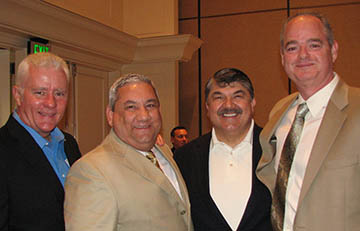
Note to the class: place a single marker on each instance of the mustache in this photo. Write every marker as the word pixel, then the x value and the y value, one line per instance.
pixel 236 110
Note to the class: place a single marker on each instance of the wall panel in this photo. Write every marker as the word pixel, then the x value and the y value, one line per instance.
pixel 216 7
pixel 309 3
pixel 251 44
pixel 189 85
pixel 188 9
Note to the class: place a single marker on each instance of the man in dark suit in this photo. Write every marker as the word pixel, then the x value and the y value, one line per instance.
pixel 219 167
pixel 35 155
pixel 179 137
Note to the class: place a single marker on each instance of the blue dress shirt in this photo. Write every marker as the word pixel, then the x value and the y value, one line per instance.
pixel 53 150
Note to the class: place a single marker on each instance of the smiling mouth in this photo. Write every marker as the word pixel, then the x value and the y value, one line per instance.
pixel 142 126
pixel 304 65
pixel 230 115
pixel 47 114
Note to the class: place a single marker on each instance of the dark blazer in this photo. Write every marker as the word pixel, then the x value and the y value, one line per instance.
pixel 193 161
pixel 31 195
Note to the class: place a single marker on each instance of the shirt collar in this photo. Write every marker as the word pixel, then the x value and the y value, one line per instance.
pixel 248 138
pixel 56 134
pixel 320 99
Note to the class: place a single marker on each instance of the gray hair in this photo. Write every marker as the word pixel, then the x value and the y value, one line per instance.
pixel 224 77
pixel 324 21
pixel 128 79
pixel 40 60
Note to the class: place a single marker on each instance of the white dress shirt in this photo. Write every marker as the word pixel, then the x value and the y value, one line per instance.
pixel 317 105
pixel 230 176
pixel 166 168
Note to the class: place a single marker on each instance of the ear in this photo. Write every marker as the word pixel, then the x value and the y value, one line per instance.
pixel 18 95
pixel 109 116
pixel 334 51
pixel 253 104
pixel 282 56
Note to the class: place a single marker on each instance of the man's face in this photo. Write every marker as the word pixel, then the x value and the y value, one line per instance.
pixel 307 56
pixel 43 101
pixel 136 118
pixel 180 138
pixel 230 109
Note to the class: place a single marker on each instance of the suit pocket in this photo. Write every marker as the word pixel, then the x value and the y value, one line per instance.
pixel 347 161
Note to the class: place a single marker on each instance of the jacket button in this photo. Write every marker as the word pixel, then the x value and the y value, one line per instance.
pixel 183 212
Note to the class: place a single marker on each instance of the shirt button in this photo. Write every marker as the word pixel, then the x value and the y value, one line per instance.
pixel 183 212
pixel 63 175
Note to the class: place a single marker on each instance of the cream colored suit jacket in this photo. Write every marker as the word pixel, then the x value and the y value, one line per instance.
pixel 114 187
pixel 330 194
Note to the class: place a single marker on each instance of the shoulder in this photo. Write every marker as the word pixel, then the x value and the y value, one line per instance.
pixel 199 144
pixel 282 102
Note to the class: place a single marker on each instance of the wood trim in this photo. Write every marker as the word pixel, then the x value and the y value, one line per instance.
pixel 83 40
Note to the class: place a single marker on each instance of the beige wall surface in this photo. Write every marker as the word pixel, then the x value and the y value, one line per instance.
pixel 141 18
pixel 189 87
pixel 245 35
pixel 100 53
pixel 215 7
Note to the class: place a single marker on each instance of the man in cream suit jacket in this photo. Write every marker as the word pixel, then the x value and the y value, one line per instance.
pixel 323 188
pixel 128 182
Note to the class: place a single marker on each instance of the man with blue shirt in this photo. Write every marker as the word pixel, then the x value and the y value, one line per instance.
pixel 35 156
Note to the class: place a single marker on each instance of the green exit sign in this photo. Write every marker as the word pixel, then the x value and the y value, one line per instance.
pixel 36 47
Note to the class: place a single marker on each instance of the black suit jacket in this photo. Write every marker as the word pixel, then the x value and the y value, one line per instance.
pixel 31 195
pixel 193 161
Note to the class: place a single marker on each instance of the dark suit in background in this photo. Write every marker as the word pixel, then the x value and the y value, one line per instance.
pixel 193 161
pixel 31 195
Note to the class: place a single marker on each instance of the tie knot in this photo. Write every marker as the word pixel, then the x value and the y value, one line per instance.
pixel 150 155
pixel 302 110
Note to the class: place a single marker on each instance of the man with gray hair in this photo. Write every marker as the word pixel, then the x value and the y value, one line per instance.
pixel 35 155
pixel 128 182
pixel 311 144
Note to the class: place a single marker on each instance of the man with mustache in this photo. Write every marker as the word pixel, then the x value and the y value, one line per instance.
pixel 219 167
pixel 311 159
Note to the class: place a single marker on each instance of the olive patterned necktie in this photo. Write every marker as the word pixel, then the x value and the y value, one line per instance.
pixel 291 142
pixel 150 155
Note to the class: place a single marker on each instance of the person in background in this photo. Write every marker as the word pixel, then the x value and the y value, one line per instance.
pixel 179 137
pixel 219 167
pixel 310 143
pixel 128 182
pixel 35 155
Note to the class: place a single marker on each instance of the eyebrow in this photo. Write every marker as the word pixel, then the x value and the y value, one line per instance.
pixel 309 40
pixel 135 102
pixel 290 43
pixel 234 93
pixel 239 91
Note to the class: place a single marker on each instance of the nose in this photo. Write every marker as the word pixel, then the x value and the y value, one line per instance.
pixel 228 102
pixel 50 101
pixel 143 114
pixel 303 52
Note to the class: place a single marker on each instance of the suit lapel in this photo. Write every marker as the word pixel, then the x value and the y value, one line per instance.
pixel 166 152
pixel 266 170
pixel 330 127
pixel 35 157
pixel 141 165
